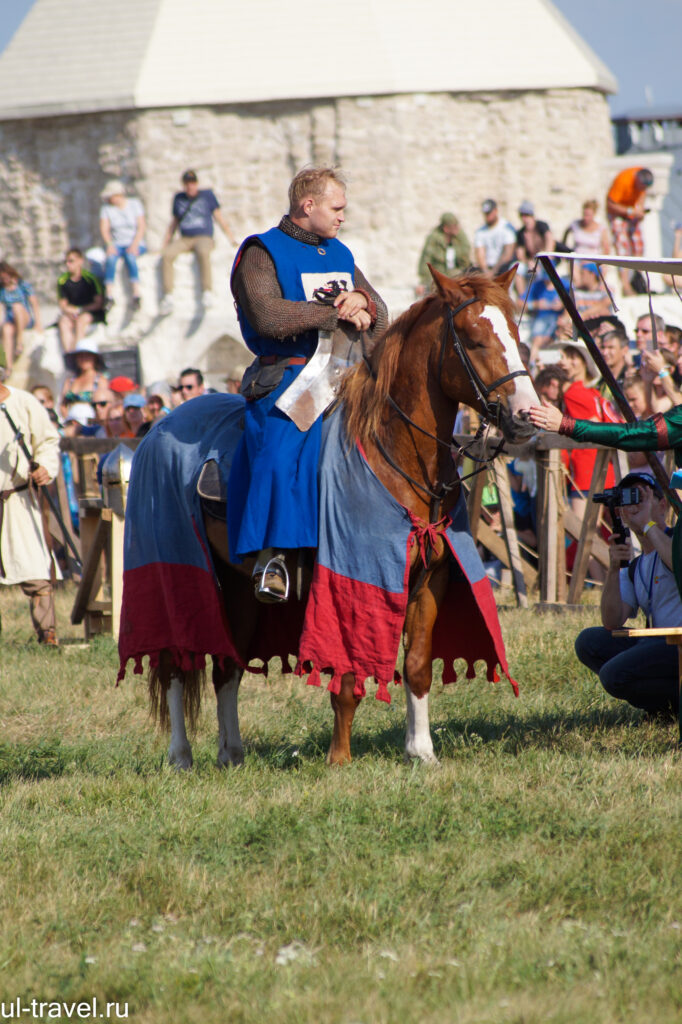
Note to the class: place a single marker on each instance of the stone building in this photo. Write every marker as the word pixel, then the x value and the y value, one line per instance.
pixel 427 106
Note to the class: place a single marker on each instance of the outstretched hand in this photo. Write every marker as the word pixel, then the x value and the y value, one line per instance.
pixel 545 416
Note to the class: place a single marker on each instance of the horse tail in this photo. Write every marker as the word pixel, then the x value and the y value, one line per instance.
pixel 159 679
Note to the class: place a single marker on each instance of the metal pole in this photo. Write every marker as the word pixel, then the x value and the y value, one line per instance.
pixel 620 399
pixel 18 436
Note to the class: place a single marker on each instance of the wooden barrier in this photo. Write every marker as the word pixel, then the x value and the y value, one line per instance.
pixel 98 598
pixel 97 602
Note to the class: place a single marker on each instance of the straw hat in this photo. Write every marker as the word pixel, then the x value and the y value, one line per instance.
pixel 85 345
pixel 113 188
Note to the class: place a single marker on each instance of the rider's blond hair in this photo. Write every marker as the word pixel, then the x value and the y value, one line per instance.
pixel 312 181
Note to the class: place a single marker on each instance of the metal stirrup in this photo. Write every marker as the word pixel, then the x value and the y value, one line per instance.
pixel 277 565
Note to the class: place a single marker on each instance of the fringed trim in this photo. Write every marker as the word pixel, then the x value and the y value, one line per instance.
pixel 334 684
pixel 382 691
pixel 186 661
pixel 450 675
pixel 303 668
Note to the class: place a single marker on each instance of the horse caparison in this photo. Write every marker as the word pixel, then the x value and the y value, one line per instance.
pixel 400 407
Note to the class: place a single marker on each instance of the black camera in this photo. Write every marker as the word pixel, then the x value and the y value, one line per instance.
pixel 618 497
pixel 615 498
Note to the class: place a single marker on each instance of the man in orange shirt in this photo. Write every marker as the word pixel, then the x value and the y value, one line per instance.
pixel 625 209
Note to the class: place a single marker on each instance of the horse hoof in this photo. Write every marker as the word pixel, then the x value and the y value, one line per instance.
pixel 231 757
pixel 427 758
pixel 181 759
pixel 338 759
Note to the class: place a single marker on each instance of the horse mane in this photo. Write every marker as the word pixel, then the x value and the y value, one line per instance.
pixel 364 392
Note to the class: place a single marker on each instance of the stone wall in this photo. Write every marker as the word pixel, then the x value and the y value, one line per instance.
pixel 407 159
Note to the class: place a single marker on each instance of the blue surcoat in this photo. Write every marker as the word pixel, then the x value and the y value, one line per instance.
pixel 272 490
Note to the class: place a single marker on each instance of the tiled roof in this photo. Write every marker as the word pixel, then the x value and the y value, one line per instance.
pixel 87 55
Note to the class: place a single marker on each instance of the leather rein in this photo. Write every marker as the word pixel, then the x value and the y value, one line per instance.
pixel 492 411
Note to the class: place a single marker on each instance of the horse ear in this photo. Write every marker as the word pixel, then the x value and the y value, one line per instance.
pixel 446 287
pixel 506 279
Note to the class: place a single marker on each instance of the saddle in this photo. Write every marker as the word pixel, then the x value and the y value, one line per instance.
pixel 212 491
pixel 213 496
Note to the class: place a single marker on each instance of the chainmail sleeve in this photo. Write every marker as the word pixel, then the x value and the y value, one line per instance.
pixel 381 321
pixel 260 296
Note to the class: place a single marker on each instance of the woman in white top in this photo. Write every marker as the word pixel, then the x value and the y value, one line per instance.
pixel 122 226
pixel 588 235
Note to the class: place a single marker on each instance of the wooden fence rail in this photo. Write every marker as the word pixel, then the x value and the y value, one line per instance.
pixel 543 579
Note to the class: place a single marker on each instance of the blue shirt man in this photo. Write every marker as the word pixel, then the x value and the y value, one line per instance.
pixel 194 210
pixel 289 283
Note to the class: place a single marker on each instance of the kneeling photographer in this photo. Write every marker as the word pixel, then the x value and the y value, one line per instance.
pixel 642 671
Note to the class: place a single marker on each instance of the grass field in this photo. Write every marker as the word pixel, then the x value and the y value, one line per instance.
pixel 534 877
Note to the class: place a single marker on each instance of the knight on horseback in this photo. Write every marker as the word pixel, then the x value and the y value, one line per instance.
pixel 300 300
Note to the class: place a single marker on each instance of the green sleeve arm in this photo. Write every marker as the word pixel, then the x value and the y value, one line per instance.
pixel 660 432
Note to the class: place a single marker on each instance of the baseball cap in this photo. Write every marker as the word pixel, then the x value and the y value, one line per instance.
pixel 631 479
pixel 80 412
pixel 527 209
pixel 134 401
pixel 449 220
pixel 122 384
pixel 488 205
pixel 190 176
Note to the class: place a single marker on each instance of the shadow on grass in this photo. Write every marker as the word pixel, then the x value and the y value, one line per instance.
pixel 50 759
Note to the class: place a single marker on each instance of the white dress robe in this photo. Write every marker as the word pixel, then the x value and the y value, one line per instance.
pixel 24 554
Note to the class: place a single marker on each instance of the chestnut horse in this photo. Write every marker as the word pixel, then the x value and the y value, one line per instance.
pixel 459 344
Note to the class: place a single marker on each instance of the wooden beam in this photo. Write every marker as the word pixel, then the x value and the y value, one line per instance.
pixel 587 530
pixel 510 538
pixel 91 567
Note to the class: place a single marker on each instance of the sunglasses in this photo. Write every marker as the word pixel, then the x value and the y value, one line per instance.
pixel 98 405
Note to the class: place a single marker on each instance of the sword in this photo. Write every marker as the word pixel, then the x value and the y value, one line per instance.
pixel 19 438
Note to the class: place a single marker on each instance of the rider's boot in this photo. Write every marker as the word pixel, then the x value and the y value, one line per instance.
pixel 271 577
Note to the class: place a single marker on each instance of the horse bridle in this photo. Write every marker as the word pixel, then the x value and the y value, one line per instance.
pixel 492 411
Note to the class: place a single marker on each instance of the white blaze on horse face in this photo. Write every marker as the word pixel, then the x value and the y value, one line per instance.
pixel 524 394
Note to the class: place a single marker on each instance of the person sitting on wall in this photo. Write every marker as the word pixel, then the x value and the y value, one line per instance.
pixel 21 312
pixel 80 299
pixel 194 210
pixel 642 671
pixel 122 226
pixel 625 207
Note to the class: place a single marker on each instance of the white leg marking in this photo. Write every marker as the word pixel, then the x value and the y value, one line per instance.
pixel 230 748
pixel 180 751
pixel 418 742
pixel 524 393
